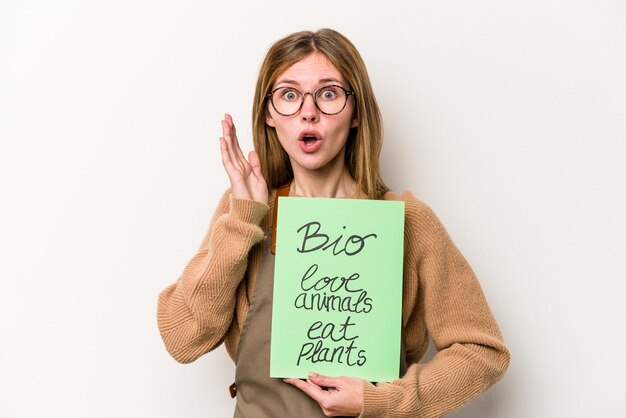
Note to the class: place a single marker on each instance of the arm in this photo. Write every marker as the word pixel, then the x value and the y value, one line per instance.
pixel 194 313
pixel 471 353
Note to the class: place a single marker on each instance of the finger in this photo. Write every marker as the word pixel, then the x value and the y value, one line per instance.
pixel 241 158
pixel 255 164
pixel 232 147
pixel 224 150
pixel 324 381
pixel 312 390
pixel 233 132
pixel 236 153
pixel 226 160
pixel 229 119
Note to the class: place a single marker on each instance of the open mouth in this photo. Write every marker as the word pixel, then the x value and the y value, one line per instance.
pixel 310 141
pixel 309 136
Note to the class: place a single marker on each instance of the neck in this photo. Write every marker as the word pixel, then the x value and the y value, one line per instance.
pixel 311 184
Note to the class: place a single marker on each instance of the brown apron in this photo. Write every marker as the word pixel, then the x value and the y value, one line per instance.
pixel 258 395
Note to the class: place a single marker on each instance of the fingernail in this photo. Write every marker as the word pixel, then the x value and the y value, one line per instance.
pixel 312 374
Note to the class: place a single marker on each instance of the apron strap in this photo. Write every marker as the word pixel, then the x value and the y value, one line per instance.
pixel 282 191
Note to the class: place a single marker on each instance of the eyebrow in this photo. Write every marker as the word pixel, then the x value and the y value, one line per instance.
pixel 321 81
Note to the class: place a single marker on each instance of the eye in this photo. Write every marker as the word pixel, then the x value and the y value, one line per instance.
pixel 289 95
pixel 328 93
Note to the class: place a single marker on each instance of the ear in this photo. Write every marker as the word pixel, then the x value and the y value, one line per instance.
pixel 354 123
pixel 269 121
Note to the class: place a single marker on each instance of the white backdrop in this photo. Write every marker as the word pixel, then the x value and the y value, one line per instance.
pixel 508 118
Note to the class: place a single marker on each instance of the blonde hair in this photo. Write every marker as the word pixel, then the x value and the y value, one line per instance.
pixel 364 141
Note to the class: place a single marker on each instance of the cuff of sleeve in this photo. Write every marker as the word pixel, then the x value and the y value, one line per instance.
pixel 379 399
pixel 246 210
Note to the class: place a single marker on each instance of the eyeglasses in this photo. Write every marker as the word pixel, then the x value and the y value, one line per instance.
pixel 330 100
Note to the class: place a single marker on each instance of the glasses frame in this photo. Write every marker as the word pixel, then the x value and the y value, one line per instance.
pixel 313 94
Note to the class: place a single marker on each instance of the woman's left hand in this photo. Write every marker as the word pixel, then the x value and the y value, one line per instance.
pixel 337 396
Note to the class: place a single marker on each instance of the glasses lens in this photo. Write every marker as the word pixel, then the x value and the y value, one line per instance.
pixel 286 100
pixel 331 99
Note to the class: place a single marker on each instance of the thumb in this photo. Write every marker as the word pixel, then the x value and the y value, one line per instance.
pixel 255 163
pixel 324 381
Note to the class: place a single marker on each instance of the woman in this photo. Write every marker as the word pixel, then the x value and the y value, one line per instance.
pixel 318 133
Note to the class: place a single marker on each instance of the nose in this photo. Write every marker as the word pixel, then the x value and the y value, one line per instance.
pixel 309 111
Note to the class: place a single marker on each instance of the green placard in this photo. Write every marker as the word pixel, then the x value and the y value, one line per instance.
pixel 338 288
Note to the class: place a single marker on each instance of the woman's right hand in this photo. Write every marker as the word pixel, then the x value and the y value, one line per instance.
pixel 246 179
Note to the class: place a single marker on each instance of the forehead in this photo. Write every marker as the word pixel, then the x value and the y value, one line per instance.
pixel 311 70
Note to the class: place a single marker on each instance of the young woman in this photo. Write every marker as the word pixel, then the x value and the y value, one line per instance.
pixel 318 133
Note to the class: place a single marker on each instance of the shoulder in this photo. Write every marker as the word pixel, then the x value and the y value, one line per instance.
pixel 423 230
pixel 415 211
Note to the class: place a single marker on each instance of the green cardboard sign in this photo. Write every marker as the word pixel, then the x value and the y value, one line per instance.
pixel 338 288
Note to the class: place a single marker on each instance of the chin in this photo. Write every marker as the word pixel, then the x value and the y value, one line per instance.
pixel 317 162
pixel 311 166
pixel 316 165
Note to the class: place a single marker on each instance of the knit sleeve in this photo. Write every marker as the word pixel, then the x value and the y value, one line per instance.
pixel 195 312
pixel 471 353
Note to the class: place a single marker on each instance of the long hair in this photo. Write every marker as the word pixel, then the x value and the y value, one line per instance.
pixel 364 141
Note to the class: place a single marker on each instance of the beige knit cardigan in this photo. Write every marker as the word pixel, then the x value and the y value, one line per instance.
pixel 442 298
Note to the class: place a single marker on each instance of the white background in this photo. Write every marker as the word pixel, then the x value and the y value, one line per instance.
pixel 507 117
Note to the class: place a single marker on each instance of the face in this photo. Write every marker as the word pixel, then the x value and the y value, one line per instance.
pixel 313 140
